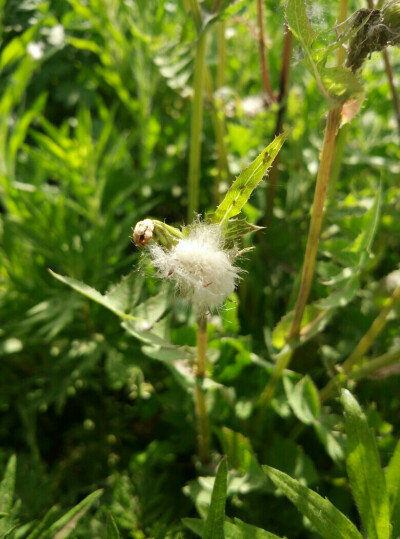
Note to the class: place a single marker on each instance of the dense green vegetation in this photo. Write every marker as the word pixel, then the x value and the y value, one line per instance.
pixel 119 399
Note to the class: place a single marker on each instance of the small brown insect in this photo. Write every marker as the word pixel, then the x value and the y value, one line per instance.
pixel 171 271
pixel 205 285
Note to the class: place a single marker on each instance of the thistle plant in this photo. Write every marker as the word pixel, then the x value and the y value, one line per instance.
pixel 199 259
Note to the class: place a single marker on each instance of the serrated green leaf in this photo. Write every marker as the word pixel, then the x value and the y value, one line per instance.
pixel 327 519
pixel 125 294
pixel 303 399
pixel 94 295
pixel 214 525
pixel 393 488
pixel 65 525
pixel 365 473
pixel 337 84
pixel 241 189
pixel 340 84
pixel 7 485
pixel 298 22
pixel 112 529
pixel 237 228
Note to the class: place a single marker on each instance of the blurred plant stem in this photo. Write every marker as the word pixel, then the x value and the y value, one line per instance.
pixel 218 115
pixel 263 57
pixel 282 103
pixel 196 122
pixel 324 172
pixel 362 347
pixel 203 437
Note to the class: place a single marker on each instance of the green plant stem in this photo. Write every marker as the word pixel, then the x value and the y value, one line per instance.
pixel 196 122
pixel 263 58
pixel 337 161
pixel 324 171
pixel 218 115
pixel 282 98
pixel 332 126
pixel 375 365
pixel 362 347
pixel 203 437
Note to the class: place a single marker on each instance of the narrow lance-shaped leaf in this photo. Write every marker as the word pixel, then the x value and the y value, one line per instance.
pixel 363 242
pixel 7 485
pixel 65 525
pixel 233 530
pixel 365 473
pixel 393 487
pixel 214 526
pixel 328 520
pixel 112 529
pixel 241 189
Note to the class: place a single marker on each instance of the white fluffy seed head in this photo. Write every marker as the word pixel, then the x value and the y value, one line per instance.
pixel 200 267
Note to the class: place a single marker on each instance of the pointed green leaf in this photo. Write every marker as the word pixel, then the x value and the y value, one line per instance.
pixel 236 228
pixel 393 488
pixel 234 530
pixel 214 526
pixel 44 524
pixel 241 530
pixel 337 84
pixel 303 399
pixel 364 241
pixel 112 529
pixel 365 473
pixel 247 181
pixel 65 525
pixel 7 485
pixel 329 521
pixel 91 293
pixel 196 525
pixel 299 24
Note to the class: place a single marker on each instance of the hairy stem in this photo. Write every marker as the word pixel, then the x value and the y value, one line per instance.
pixel 332 126
pixel 263 58
pixel 203 437
pixel 363 346
pixel 282 97
pixel 196 122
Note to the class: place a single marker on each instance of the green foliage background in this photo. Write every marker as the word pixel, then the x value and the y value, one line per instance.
pixel 94 123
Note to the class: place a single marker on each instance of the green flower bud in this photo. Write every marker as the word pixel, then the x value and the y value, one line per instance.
pixel 151 229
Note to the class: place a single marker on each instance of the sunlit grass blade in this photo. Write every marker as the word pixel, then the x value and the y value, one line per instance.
pixel 214 526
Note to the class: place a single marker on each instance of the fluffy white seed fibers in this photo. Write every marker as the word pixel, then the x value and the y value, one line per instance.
pixel 202 270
